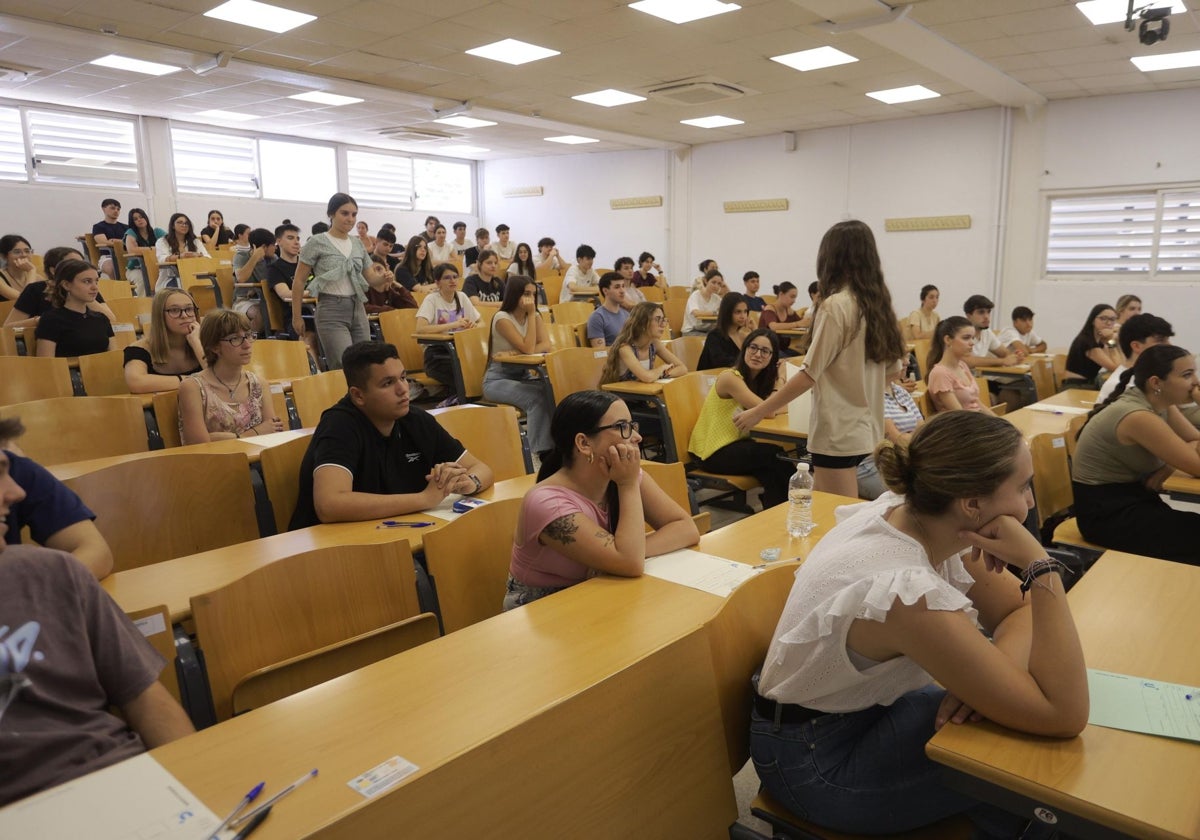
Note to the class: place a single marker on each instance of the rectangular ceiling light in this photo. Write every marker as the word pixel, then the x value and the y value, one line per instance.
pixel 609 97
pixel 713 122
pixel 817 59
pixel 463 150
pixel 684 11
pixel 259 15
pixel 911 93
pixel 1101 12
pixel 135 65
pixel 1167 61
pixel 571 139
pixel 324 98
pixel 465 122
pixel 229 116
pixel 511 51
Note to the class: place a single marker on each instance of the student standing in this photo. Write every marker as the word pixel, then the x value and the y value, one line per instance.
pixel 855 340
pixel 336 260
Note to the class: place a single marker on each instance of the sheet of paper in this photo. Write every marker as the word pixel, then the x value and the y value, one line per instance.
pixel 700 571
pixel 134 800
pixel 1050 408
pixel 445 508
pixel 1136 704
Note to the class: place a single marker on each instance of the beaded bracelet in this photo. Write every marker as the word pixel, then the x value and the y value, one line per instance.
pixel 1038 568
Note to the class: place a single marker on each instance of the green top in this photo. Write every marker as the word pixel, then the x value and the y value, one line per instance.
pixel 1100 458
pixel 714 427
pixel 334 273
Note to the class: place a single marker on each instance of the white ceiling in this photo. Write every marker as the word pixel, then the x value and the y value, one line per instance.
pixel 406 58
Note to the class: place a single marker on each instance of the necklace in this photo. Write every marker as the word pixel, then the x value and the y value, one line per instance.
pixel 236 382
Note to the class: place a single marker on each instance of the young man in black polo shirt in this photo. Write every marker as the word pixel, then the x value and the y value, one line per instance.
pixel 108 230
pixel 374 456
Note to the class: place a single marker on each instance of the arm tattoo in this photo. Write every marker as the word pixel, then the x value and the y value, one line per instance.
pixel 562 530
pixel 606 538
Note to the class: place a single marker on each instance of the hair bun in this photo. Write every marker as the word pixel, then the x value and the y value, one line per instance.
pixel 895 466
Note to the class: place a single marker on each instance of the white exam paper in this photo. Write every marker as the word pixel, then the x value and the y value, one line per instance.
pixel 700 571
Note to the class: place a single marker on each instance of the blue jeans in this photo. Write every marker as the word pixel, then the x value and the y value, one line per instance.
pixel 866 772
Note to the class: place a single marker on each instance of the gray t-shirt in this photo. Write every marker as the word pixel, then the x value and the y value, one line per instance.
pixel 81 655
pixel 606 325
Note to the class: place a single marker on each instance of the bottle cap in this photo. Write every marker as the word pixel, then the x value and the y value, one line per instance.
pixel 802 466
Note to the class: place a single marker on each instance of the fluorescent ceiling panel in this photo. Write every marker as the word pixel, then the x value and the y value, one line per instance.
pixel 911 93
pixel 324 98
pixel 231 116
pixel 715 121
pixel 571 139
pixel 684 11
pixel 806 60
pixel 136 65
pixel 609 97
pixel 259 15
pixel 511 51
pixel 1167 61
pixel 1100 12
pixel 465 122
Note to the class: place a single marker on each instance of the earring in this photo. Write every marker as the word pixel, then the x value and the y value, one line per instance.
pixel 591 457
pixel 1158 392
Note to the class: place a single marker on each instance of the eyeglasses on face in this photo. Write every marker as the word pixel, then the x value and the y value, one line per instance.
pixel 758 350
pixel 625 427
pixel 180 311
pixel 20 252
pixel 659 319
pixel 239 339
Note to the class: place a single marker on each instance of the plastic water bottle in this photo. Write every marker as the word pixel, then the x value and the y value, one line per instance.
pixel 800 489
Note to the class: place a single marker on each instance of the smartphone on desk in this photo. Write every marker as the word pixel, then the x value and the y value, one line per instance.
pixel 465 504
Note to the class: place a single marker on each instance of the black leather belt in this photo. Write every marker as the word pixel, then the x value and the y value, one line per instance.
pixel 784 712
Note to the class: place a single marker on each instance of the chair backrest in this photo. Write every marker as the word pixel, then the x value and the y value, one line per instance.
pixel 674 308
pixel 278 359
pixel 738 638
pixel 103 374
pixel 6 306
pixel 205 296
pixel 298 605
pixel 1042 371
pixel 1059 363
pixel 155 625
pixel 115 289
pixel 127 310
pixel 672 478
pixel 574 369
pixel 65 429
pixel 552 283
pixel 277 321
pixel 653 294
pixel 1051 475
pixel 274 682
pixel 1072 433
pixel 150 259
pixel 985 396
pixel 468 561
pixel 921 348
pixel 89 245
pixel 491 433
pixel 166 416
pixel 313 394
pixel 571 312
pixel 191 270
pixel 225 281
pixel 170 505
pixel 688 348
pixel 684 398
pixel 678 292
pixel 562 336
pixel 471 346
pixel 281 476
pixel 398 327
pixel 25 378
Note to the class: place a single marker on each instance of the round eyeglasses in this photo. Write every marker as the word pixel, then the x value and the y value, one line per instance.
pixel 625 427
pixel 238 340
pixel 180 311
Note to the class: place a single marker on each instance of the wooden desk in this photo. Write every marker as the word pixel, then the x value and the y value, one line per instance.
pixel 590 714
pixel 1073 398
pixel 745 539
pixel 1135 616
pixel 776 429
pixel 1183 487
pixel 174 582
pixel 651 394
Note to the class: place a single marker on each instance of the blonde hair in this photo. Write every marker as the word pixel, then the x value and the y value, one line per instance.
pixel 636 326
pixel 158 340
pixel 216 325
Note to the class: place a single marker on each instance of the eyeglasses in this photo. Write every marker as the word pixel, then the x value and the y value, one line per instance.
pixel 625 427
pixel 181 311
pixel 758 350
pixel 20 252
pixel 1108 319
pixel 659 319
pixel 238 340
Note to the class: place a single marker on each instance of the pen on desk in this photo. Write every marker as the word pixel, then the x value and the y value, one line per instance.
pixel 246 800
pixel 266 806
pixel 396 523
pixel 255 821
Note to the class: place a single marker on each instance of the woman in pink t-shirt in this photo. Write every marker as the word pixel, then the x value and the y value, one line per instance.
pixel 952 385
pixel 588 511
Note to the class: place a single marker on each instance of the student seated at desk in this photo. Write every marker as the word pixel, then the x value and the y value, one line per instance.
pixel 518 329
pixel 71 326
pixel 718 444
pixel 887 609
pixel 921 323
pixel 444 310
pixel 723 345
pixel 1138 333
pixel 55 516
pixel 636 348
pixel 384 293
pixel 581 280
pixel 704 301
pixel 987 351
pixel 35 299
pixel 1094 349
pixel 170 349
pixel 373 455
pixel 1130 444
pixel 901 417
pixel 224 400
pixel 1020 337
pixel 587 513
pixel 604 324
pixel 952 385
pixel 70 654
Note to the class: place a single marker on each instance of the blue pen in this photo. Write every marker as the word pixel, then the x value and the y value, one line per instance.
pixel 395 523
pixel 246 800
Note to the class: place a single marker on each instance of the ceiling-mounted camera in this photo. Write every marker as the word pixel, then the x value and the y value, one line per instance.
pixel 1155 23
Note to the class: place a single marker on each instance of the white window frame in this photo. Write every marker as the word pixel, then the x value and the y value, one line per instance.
pixel 1156 228
pixel 369 202
pixel 255 177
pixel 24 109
pixel 472 169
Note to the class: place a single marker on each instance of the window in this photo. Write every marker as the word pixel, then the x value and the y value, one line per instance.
pixel 12 146
pixel 297 171
pixel 379 180
pixel 443 185
pixel 1151 233
pixel 74 148
pixel 215 164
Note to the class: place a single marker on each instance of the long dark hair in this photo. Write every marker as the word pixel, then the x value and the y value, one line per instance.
pixel 422 270
pixel 761 382
pixel 946 328
pixel 578 413
pixel 848 259
pixel 151 237
pixel 525 266
pixel 189 239
pixel 1156 360
pixel 514 290
pixel 1088 332
pixel 725 311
